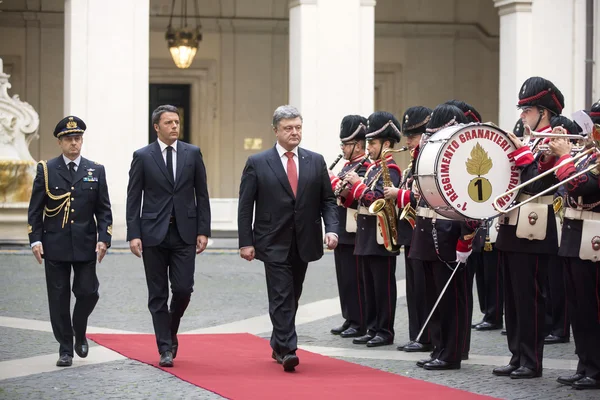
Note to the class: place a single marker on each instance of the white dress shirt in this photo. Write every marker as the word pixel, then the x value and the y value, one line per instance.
pixel 163 150
pixel 284 158
pixel 77 161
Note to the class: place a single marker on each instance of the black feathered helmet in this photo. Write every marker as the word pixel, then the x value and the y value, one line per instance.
pixel 468 110
pixel 443 116
pixel 383 125
pixel 353 128
pixel 414 120
pixel 540 92
pixel 595 112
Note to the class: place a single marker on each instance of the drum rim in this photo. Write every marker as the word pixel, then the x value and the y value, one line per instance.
pixel 437 183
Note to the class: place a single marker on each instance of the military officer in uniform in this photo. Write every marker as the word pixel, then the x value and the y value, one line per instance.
pixel 379 264
pixel 528 238
pixel 440 244
pixel 414 122
pixel 348 269
pixel 580 250
pixel 70 226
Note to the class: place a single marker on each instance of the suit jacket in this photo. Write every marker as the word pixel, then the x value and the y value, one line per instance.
pixel 280 216
pixel 70 233
pixel 187 196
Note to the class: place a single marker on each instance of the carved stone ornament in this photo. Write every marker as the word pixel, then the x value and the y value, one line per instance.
pixel 19 124
pixel 533 217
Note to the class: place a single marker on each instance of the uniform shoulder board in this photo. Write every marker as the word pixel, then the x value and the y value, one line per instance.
pixel 96 162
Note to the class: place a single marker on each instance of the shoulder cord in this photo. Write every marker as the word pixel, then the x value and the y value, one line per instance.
pixel 66 204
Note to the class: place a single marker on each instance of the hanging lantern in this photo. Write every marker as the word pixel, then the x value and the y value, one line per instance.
pixel 183 42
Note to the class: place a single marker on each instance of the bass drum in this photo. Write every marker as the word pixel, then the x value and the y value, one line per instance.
pixel 463 168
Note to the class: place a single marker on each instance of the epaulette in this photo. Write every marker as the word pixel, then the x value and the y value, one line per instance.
pixel 97 163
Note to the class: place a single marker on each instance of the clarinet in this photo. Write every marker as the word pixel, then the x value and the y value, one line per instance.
pixel 337 160
pixel 353 169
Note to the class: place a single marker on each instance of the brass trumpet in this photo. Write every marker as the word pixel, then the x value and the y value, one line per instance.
pixel 593 146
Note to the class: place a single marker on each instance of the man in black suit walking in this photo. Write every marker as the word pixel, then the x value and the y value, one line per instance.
pixel 291 190
pixel 68 192
pixel 172 222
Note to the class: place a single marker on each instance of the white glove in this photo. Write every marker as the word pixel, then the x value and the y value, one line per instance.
pixel 462 257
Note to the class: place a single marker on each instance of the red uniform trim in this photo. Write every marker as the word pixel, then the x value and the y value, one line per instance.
pixel 403 198
pixel 464 246
pixel 522 156
pixel 567 169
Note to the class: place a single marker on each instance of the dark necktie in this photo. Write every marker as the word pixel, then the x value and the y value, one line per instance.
pixel 72 169
pixel 170 162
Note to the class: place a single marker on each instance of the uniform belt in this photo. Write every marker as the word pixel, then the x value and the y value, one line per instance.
pixel 362 210
pixel 572 213
pixel 540 200
pixel 429 213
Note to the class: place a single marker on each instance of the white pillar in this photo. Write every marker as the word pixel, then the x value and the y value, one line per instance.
pixel 331 66
pixel 106 85
pixel 516 58
pixel 560 48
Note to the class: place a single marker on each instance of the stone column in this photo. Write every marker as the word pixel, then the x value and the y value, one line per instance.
pixel 516 57
pixel 331 66
pixel 106 84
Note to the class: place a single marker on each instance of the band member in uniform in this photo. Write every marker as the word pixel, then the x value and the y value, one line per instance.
pixel 168 223
pixel 580 249
pixel 414 122
pixel 348 269
pixel 70 225
pixel 528 238
pixel 558 322
pixel 595 112
pixel 378 262
pixel 440 244
pixel 288 189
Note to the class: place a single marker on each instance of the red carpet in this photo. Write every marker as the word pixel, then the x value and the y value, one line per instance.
pixel 239 366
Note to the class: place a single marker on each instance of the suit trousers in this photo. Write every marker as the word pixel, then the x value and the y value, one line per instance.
pixel 172 260
pixel 284 288
pixel 524 277
pixel 449 324
pixel 583 291
pixel 558 321
pixel 416 298
pixel 380 294
pixel 489 279
pixel 85 289
pixel 350 286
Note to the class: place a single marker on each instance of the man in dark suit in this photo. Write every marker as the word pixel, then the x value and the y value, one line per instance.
pixel 291 190
pixel 68 192
pixel 172 222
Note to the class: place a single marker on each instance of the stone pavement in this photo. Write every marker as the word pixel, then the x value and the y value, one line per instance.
pixel 229 296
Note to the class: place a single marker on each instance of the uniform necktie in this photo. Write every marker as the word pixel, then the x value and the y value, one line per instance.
pixel 292 173
pixel 72 169
pixel 170 162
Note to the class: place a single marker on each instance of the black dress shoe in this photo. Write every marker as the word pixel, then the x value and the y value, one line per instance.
pixel 290 362
pixel 504 371
pixel 464 356
pixel 473 325
pixel 553 339
pixel 363 339
pixel 340 329
pixel 587 383
pixel 503 332
pixel 438 365
pixel 276 357
pixel 487 326
pixel 414 347
pixel 351 332
pixel 379 341
pixel 166 359
pixel 82 348
pixel 421 363
pixel 569 380
pixel 64 360
pixel 175 345
pixel 525 373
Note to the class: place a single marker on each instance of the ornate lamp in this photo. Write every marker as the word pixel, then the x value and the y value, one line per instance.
pixel 183 42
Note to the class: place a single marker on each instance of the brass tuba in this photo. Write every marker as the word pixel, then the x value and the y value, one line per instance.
pixel 385 210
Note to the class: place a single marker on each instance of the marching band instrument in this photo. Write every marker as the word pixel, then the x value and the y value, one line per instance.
pixel 385 210
pixel 337 160
pixel 343 185
pixel 456 192
pixel 593 147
